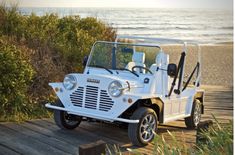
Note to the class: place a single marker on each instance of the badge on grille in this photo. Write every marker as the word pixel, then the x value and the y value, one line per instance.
pixel 93 80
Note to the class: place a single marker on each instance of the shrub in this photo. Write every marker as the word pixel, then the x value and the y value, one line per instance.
pixel 69 37
pixel 75 37
pixel 54 46
pixel 16 75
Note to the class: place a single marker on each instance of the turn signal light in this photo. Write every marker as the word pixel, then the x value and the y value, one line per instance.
pixel 129 100
pixel 56 89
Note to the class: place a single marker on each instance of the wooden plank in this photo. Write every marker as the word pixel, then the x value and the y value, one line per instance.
pixel 73 138
pixel 79 133
pixel 49 140
pixel 95 148
pixel 5 150
pixel 25 144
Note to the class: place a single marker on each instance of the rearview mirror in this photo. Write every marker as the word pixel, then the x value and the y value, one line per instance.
pixel 84 62
pixel 127 50
pixel 172 70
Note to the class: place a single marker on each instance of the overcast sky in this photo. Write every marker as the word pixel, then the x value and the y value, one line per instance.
pixel 214 4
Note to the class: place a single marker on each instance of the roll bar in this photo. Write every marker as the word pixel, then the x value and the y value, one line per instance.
pixel 165 41
pixel 154 42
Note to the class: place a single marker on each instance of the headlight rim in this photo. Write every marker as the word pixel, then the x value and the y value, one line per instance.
pixel 74 81
pixel 120 88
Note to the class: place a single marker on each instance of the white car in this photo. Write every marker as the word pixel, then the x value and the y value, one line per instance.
pixel 120 85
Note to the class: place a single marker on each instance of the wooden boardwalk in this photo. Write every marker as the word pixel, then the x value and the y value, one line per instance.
pixel 44 137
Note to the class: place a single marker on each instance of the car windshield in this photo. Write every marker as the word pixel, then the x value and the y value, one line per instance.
pixel 110 55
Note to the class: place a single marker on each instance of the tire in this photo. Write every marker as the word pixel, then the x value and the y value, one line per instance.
pixel 193 121
pixel 136 130
pixel 65 120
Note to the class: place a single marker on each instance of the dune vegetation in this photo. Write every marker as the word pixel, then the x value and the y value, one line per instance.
pixel 36 50
pixel 216 140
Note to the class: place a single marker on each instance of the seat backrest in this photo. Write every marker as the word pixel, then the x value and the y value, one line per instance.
pixel 160 82
pixel 158 61
pixel 138 59
pixel 154 66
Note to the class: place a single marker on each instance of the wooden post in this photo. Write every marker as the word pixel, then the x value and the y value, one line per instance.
pixel 95 148
pixel 203 126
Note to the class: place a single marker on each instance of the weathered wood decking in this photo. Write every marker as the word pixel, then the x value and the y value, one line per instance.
pixel 44 137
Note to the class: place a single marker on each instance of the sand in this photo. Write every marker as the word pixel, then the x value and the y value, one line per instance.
pixel 217 63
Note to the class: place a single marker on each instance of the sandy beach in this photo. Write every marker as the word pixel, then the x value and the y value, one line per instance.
pixel 216 62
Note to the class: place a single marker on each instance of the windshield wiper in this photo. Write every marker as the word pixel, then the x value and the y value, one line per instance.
pixel 99 66
pixel 128 70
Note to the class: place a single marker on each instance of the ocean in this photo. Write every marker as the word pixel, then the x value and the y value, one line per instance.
pixel 205 26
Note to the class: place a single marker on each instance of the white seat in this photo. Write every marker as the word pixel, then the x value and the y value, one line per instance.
pixel 153 67
pixel 158 61
pixel 138 59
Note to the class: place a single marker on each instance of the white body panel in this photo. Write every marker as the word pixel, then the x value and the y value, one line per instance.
pixel 90 97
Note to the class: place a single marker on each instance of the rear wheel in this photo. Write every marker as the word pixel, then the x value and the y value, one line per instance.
pixel 143 132
pixel 193 121
pixel 65 120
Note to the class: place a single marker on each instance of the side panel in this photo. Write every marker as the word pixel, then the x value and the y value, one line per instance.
pixel 171 108
pixel 178 106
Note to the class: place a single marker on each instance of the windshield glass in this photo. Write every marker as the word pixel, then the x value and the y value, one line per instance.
pixel 121 55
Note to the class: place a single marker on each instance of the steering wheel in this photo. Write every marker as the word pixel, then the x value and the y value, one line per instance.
pixel 141 67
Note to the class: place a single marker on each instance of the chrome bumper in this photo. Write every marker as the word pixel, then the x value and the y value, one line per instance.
pixel 48 105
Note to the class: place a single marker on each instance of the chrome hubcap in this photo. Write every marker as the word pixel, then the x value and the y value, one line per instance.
pixel 147 127
pixel 197 114
pixel 69 120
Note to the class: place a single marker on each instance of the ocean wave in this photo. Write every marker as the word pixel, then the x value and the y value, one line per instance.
pixel 172 23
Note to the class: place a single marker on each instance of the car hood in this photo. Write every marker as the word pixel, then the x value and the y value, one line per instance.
pixel 100 79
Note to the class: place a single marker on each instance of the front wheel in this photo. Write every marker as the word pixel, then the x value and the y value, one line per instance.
pixel 65 120
pixel 193 121
pixel 143 132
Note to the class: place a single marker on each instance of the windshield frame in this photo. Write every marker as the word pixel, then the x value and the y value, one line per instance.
pixel 115 45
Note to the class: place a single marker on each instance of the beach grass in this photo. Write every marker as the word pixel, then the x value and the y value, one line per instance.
pixel 218 140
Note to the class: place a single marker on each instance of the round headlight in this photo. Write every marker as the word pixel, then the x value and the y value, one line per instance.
pixel 69 82
pixel 115 88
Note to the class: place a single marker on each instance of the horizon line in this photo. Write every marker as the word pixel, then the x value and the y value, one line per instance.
pixel 124 7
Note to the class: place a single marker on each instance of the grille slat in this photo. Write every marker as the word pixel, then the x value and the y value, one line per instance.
pixel 77 98
pixel 106 106
pixel 106 102
pixel 90 99
pixel 109 100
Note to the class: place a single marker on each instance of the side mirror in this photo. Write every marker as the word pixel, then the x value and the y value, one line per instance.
pixel 84 62
pixel 172 70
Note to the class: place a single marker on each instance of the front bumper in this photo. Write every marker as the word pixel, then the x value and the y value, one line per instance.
pixel 80 113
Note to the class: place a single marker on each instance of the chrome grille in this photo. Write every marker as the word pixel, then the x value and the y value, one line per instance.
pixel 77 97
pixel 90 99
pixel 106 102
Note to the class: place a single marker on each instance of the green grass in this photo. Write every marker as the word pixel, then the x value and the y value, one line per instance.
pixel 218 141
